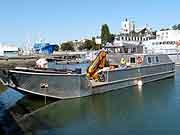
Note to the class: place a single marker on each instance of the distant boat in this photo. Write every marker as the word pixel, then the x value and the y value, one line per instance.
pixel 45 48
pixel 167 42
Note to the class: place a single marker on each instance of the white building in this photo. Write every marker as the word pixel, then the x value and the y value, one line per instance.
pixel 166 42
pixel 168 35
pixel 129 32
pixel 127 26
pixel 8 50
pixel 98 40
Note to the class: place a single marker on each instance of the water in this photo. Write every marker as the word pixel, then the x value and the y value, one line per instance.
pixel 8 98
pixel 153 109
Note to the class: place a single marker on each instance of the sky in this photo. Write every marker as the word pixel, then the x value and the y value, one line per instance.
pixel 62 20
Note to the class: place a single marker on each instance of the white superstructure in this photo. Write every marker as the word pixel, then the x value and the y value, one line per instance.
pixel 166 42
pixel 8 50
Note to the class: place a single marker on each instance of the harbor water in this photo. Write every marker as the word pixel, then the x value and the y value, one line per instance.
pixel 151 109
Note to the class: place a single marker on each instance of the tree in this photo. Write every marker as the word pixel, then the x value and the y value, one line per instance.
pixel 105 34
pixel 89 45
pixel 176 27
pixel 56 48
pixel 111 39
pixel 67 46
pixel 163 29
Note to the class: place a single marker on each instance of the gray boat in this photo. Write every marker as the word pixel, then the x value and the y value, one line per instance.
pixel 111 70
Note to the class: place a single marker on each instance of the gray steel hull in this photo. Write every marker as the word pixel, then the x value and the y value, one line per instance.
pixel 64 86
pixel 175 58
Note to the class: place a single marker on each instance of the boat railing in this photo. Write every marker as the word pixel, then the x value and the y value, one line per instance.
pixel 49 70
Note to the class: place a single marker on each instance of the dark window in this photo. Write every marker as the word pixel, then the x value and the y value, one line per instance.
pixel 149 60
pixel 132 60
pixel 157 59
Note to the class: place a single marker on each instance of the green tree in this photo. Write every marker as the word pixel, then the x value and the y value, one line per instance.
pixel 163 29
pixel 56 48
pixel 89 45
pixel 67 46
pixel 105 34
pixel 176 27
pixel 111 39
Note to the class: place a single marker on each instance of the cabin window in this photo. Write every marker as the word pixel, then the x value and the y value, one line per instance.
pixel 157 59
pixel 133 50
pixel 149 60
pixel 126 50
pixel 132 60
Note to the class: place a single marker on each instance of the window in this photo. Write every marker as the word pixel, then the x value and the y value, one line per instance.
pixel 132 60
pixel 171 42
pixel 149 60
pixel 157 59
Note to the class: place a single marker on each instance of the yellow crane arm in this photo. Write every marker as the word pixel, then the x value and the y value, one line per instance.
pixel 97 64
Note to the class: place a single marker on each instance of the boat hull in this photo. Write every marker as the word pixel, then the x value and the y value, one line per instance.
pixel 64 86
pixel 175 58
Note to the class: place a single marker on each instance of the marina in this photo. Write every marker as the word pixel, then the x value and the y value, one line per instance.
pixel 151 109
pixel 89 67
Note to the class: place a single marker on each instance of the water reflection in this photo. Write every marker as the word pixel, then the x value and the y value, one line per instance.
pixel 8 98
pixel 119 111
pixel 152 109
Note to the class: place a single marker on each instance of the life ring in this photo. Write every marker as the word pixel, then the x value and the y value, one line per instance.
pixel 178 43
pixel 139 60
pixel 123 61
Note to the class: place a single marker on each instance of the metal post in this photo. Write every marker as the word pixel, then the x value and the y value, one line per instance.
pixel 45 99
pixel 107 76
